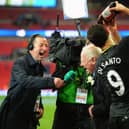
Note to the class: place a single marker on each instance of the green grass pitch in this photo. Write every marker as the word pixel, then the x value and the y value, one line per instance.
pixel 49 106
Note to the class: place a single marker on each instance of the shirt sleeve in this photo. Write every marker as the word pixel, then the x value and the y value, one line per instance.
pixel 21 77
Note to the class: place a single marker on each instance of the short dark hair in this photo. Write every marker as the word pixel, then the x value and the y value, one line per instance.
pixel 97 34
pixel 31 40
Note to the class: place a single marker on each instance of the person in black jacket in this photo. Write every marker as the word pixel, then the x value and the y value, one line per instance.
pixel 98 33
pixel 112 72
pixel 23 102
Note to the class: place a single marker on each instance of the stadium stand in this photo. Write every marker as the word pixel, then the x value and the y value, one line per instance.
pixel 7 47
pixel 5 68
pixel 9 19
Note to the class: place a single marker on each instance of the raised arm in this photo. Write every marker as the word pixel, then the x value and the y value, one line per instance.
pixel 120 8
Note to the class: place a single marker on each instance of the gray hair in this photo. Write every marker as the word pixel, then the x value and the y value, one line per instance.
pixel 91 51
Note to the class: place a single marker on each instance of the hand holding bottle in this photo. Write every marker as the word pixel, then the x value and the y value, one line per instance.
pixel 120 8
pixel 107 15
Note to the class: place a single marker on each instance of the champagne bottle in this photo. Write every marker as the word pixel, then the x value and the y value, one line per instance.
pixel 106 14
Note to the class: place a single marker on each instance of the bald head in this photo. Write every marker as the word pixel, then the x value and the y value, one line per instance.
pixel 89 55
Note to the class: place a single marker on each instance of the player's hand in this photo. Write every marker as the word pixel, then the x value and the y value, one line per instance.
pixel 58 82
pixel 119 7
pixel 39 112
pixel 90 111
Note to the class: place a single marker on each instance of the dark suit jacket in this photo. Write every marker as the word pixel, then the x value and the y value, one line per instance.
pixel 25 85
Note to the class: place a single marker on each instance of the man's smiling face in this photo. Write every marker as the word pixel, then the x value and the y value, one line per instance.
pixel 40 48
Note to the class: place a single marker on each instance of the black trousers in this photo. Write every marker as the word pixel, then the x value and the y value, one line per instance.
pixel 119 122
pixel 72 116
pixel 101 122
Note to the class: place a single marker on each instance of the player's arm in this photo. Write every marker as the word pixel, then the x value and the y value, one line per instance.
pixel 113 30
pixel 120 8
pixel 113 26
